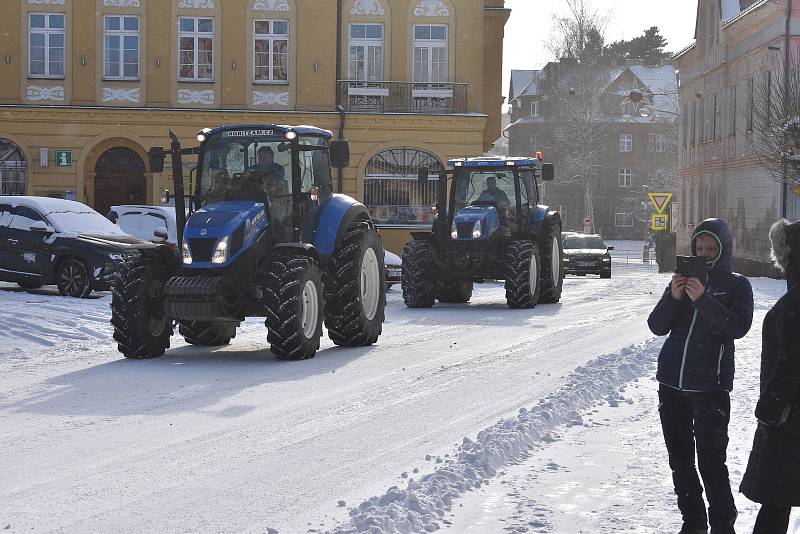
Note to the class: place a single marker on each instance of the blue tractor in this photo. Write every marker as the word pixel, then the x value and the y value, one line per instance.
pixel 261 235
pixel 492 228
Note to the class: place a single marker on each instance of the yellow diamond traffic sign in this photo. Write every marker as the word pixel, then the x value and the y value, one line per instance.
pixel 660 200
pixel 659 221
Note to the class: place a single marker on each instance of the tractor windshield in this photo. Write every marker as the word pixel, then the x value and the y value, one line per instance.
pixel 492 187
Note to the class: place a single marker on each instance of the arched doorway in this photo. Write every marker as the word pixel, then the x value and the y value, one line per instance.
pixel 119 179
pixel 13 169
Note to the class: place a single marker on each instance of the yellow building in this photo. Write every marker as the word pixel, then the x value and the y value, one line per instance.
pixel 88 86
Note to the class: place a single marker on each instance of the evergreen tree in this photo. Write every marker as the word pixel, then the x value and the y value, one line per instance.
pixel 648 47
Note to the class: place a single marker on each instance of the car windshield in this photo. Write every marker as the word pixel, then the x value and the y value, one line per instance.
pixel 88 222
pixel 586 242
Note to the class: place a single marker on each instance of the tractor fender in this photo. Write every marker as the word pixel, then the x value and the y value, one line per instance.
pixel 541 218
pixel 335 217
pixel 296 249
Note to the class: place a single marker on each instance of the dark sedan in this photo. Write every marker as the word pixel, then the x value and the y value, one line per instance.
pixel 54 241
pixel 586 254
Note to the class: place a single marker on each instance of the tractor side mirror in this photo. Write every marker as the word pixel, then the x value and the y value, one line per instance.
pixel 548 172
pixel 156 156
pixel 422 175
pixel 340 154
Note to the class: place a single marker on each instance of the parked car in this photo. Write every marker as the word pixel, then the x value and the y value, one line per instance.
pixel 394 268
pixel 151 223
pixel 586 254
pixel 54 241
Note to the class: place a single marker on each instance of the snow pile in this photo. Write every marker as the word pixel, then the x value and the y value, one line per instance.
pixel 421 505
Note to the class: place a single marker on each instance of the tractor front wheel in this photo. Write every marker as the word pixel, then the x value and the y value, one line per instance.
pixel 293 299
pixel 138 312
pixel 456 292
pixel 523 271
pixel 355 289
pixel 419 291
pixel 207 333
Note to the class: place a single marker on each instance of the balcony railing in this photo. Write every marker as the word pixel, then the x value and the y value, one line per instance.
pixel 403 97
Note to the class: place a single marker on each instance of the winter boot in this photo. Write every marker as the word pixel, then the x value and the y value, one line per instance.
pixel 686 529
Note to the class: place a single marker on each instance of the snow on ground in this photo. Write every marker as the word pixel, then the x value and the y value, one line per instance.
pixel 228 439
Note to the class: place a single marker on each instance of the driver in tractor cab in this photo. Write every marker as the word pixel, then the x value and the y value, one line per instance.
pixel 493 194
pixel 272 172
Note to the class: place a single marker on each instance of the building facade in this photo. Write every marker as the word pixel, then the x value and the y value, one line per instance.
pixel 718 173
pixel 88 86
pixel 635 144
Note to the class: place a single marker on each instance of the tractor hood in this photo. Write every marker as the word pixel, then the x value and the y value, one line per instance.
pixel 239 221
pixel 465 222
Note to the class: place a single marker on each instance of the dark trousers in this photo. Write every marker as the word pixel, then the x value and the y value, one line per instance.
pixel 699 421
pixel 772 520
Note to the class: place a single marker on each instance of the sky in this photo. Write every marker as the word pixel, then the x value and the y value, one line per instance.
pixel 532 20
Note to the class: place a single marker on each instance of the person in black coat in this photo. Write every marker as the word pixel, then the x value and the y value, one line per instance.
pixel 772 477
pixel 695 375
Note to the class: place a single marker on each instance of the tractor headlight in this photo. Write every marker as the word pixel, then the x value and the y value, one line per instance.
pixel 187 255
pixel 454 231
pixel 221 252
pixel 476 230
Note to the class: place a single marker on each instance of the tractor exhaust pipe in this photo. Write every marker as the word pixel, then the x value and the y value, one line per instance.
pixel 177 182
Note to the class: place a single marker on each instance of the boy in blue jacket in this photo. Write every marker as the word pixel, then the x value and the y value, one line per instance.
pixel 695 375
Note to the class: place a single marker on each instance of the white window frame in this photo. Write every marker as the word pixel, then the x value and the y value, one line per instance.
pixel 430 45
pixel 47 31
pixel 195 36
pixel 271 38
pixel 535 108
pixel 626 219
pixel 624 178
pixel 626 142
pixel 122 33
pixel 367 43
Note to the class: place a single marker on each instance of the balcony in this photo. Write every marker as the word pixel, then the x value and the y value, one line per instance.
pixel 403 97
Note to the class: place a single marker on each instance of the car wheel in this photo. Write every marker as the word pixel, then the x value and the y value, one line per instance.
pixel 73 278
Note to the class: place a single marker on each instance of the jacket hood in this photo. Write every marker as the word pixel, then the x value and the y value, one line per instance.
pixel 718 229
pixel 785 238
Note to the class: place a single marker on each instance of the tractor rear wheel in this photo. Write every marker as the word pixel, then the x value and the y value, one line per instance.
pixel 456 292
pixel 523 274
pixel 419 291
pixel 293 299
pixel 207 333
pixel 138 311
pixel 552 265
pixel 355 289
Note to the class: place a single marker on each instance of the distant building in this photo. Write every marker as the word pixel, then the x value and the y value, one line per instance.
pixel 637 152
pixel 718 175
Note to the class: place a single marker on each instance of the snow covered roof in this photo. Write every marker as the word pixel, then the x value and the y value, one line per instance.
pixel 660 80
pixel 47 205
pixel 524 82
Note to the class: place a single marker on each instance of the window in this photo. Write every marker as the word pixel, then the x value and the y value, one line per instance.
pixel 366 52
pixel 623 219
pixel 46 45
pixel 626 142
pixel 534 109
pixel 13 169
pixel 657 143
pixel 121 47
pixel 430 54
pixel 271 52
pixel 23 217
pixel 196 48
pixel 624 179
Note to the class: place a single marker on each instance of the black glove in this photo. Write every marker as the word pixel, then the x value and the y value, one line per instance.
pixel 771 411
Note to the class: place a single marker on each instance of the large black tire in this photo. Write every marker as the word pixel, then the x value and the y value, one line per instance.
pixel 605 274
pixel 138 311
pixel 456 292
pixel 523 274
pixel 74 278
pixel 355 293
pixel 293 299
pixel 419 290
pixel 28 284
pixel 206 333
pixel 552 265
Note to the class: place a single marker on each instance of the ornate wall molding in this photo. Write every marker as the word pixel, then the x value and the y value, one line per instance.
pixel 37 92
pixel 431 8
pixel 271 5
pixel 197 4
pixel 112 94
pixel 262 98
pixel 187 96
pixel 47 2
pixel 370 8
pixel 121 3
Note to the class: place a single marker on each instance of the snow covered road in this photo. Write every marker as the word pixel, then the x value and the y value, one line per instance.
pixel 231 440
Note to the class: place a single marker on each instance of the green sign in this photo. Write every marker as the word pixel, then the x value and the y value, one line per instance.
pixel 63 158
